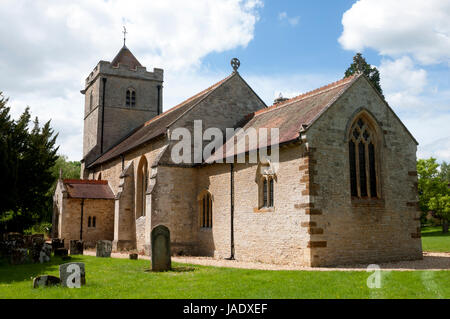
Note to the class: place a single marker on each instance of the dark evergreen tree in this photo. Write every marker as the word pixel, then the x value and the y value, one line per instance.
pixel 360 65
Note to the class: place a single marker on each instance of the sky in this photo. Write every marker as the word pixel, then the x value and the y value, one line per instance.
pixel 47 49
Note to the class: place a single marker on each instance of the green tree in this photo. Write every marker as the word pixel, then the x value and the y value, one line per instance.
pixel 432 189
pixel 27 156
pixel 445 171
pixel 360 65
pixel 440 204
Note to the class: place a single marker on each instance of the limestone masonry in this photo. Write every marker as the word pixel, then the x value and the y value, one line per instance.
pixel 344 189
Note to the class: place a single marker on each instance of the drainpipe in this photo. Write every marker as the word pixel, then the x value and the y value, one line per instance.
pixel 232 211
pixel 103 114
pixel 81 221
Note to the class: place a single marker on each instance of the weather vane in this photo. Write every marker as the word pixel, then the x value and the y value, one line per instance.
pixel 124 34
pixel 235 63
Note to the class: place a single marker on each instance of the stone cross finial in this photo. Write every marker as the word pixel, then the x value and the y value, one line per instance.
pixel 124 35
pixel 235 63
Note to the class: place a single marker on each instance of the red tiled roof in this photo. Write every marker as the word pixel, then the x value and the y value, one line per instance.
pixel 289 116
pixel 88 189
pixel 156 126
pixel 125 57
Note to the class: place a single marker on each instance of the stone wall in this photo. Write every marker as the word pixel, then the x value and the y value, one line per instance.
pixel 355 231
pixel 102 209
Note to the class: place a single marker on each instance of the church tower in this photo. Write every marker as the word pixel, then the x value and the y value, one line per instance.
pixel 119 97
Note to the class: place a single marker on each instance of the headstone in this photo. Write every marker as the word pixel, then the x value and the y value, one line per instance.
pixel 134 256
pixel 28 241
pixel 19 256
pixel 46 253
pixel 72 275
pixel 39 237
pixel 61 252
pixel 76 247
pixel 45 281
pixel 36 248
pixel 57 243
pixel 161 256
pixel 14 236
pixel 104 248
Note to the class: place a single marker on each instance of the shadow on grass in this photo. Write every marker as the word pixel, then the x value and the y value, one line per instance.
pixel 175 269
pixel 434 233
pixel 13 273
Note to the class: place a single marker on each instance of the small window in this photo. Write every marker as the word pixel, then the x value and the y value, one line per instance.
pixel 92 221
pixel 91 101
pixel 130 100
pixel 267 191
pixel 206 211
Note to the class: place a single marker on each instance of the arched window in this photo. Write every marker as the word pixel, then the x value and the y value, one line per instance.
pixel 141 187
pixel 89 221
pixel 94 221
pixel 362 147
pixel 130 99
pixel 265 179
pixel 206 210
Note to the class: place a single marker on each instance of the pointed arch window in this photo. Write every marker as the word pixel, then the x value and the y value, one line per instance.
pixel 362 148
pixel 91 101
pixel 206 210
pixel 130 100
pixel 266 181
pixel 141 187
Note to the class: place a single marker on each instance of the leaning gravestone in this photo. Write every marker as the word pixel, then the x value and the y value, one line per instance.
pixel 76 247
pixel 72 275
pixel 161 248
pixel 104 248
pixel 57 243
pixel 36 248
pixel 45 281
pixel 46 253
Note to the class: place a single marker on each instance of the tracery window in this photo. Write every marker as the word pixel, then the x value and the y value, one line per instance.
pixel 362 158
pixel 266 186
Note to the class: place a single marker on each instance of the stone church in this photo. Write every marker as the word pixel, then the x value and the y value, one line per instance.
pixel 344 189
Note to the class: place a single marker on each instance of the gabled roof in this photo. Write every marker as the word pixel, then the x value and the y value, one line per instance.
pixel 125 57
pixel 156 126
pixel 290 116
pixel 88 189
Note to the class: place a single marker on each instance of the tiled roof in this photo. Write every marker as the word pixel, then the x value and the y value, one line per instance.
pixel 156 126
pixel 290 116
pixel 125 57
pixel 88 189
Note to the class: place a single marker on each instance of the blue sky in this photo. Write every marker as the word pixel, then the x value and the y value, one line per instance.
pixel 48 47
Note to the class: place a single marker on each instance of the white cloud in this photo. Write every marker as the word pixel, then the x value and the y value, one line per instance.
pixel 416 27
pixel 402 81
pixel 293 21
pixel 49 47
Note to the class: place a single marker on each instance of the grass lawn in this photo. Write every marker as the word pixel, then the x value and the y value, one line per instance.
pixel 123 278
pixel 433 239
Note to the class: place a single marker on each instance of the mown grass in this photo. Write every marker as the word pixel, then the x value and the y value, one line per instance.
pixel 122 278
pixel 433 239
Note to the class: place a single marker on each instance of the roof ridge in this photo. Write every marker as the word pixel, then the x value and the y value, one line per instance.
pixel 309 94
pixel 214 86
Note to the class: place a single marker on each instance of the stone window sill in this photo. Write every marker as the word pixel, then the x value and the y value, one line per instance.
pixel 367 202
pixel 263 210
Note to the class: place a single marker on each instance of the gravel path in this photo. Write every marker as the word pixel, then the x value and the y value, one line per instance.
pixel 431 261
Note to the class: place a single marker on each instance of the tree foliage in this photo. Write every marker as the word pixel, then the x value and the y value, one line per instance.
pixel 26 160
pixel 434 193
pixel 360 65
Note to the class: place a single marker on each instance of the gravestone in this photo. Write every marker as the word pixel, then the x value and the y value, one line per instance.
pixel 72 275
pixel 39 237
pixel 28 241
pixel 45 281
pixel 46 253
pixel 134 256
pixel 104 248
pixel 19 256
pixel 57 243
pixel 36 248
pixel 62 252
pixel 76 247
pixel 161 256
